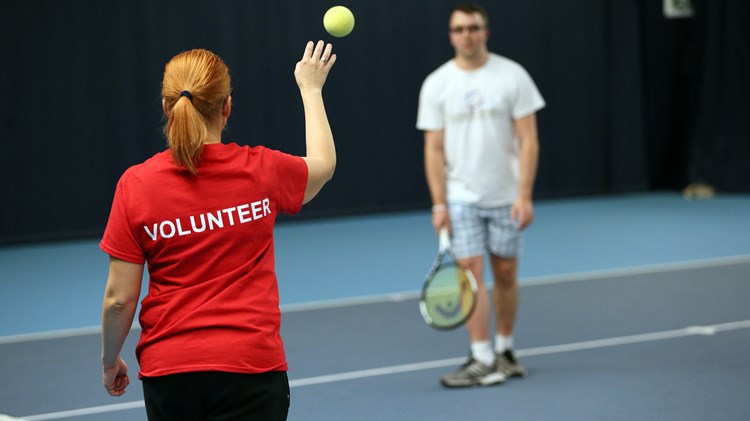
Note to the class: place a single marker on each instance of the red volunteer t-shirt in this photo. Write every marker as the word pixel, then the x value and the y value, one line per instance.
pixel 212 302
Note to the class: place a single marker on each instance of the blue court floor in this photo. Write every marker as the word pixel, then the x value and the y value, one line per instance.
pixel 633 307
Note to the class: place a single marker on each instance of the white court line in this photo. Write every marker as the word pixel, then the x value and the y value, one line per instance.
pixel 537 281
pixel 86 411
pixel 427 365
pixel 638 270
pixel 56 334
pixel 544 350
pixel 4 417
pixel 401 296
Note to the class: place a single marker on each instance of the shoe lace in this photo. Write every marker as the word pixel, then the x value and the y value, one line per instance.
pixel 468 363
pixel 508 354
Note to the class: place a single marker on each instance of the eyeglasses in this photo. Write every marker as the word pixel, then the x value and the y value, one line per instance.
pixel 472 29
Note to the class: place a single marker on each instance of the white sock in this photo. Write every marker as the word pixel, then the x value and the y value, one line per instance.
pixel 482 352
pixel 502 343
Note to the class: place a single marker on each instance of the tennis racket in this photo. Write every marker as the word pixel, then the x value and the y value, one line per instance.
pixel 449 292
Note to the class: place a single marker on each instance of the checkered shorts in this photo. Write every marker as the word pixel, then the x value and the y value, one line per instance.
pixel 475 230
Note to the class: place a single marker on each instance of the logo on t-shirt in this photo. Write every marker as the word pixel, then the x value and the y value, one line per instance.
pixel 475 106
pixel 473 100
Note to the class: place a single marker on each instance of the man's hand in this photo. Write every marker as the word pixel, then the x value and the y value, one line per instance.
pixel 522 212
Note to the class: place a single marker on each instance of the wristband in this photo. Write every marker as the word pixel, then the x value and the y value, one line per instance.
pixel 439 208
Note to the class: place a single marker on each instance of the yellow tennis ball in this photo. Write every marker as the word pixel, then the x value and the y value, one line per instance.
pixel 338 21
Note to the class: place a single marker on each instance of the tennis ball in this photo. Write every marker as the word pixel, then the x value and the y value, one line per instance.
pixel 338 21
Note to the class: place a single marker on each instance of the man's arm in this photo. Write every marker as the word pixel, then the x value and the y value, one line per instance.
pixel 434 167
pixel 526 130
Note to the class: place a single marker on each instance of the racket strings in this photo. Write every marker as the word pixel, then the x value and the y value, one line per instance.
pixel 449 297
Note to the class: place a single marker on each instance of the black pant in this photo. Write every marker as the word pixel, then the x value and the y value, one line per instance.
pixel 217 396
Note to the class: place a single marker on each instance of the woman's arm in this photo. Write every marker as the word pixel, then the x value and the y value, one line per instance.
pixel 118 311
pixel 311 73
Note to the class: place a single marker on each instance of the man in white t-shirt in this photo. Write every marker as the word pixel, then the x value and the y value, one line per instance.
pixel 478 114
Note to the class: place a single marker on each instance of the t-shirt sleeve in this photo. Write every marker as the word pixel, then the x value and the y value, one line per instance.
pixel 291 176
pixel 429 111
pixel 118 239
pixel 528 98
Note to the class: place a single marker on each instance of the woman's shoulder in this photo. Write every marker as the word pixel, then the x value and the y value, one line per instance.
pixel 150 165
pixel 252 150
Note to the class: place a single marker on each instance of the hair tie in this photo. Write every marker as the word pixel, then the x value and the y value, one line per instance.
pixel 187 94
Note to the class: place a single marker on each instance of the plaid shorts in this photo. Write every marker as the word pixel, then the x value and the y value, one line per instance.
pixel 475 230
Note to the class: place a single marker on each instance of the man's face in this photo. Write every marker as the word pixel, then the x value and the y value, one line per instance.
pixel 468 34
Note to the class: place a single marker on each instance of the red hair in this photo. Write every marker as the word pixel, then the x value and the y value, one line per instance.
pixel 206 79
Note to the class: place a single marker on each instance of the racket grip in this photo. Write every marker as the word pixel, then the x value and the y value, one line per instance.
pixel 444 239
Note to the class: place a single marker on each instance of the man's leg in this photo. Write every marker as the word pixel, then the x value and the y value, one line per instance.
pixel 505 293
pixel 506 296
pixel 468 238
pixel 478 325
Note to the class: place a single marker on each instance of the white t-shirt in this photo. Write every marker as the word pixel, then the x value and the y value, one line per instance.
pixel 476 110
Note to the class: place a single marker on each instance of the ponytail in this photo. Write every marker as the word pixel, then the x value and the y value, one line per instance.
pixel 196 84
pixel 185 131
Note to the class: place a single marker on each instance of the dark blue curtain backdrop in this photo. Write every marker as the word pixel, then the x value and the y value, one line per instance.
pixel 80 102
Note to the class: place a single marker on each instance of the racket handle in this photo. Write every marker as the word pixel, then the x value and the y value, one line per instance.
pixel 444 239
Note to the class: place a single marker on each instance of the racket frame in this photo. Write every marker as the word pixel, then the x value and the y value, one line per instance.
pixel 444 250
